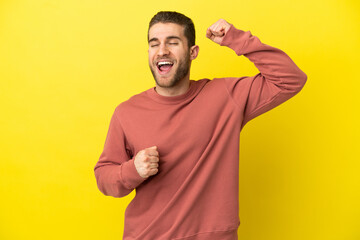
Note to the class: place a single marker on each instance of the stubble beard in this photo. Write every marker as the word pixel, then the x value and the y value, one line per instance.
pixel 181 72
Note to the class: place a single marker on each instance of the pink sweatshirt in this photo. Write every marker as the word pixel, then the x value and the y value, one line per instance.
pixel 194 196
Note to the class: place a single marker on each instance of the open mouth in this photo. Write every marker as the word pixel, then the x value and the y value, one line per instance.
pixel 164 66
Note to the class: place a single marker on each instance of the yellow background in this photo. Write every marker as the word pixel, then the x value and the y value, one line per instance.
pixel 65 65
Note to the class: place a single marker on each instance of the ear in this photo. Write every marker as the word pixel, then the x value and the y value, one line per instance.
pixel 194 51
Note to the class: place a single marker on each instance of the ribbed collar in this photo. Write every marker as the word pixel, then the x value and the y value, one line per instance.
pixel 194 86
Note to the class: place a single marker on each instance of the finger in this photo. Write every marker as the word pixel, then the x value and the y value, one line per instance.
pixel 153 165
pixel 217 33
pixel 153 171
pixel 153 159
pixel 218 30
pixel 221 28
pixel 152 152
pixel 218 25
pixel 208 33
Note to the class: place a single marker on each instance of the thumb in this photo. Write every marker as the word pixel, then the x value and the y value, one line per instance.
pixel 153 147
pixel 219 33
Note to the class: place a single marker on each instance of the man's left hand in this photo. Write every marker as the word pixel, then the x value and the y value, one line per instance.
pixel 218 30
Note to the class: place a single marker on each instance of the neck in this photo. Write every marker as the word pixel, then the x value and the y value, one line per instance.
pixel 179 89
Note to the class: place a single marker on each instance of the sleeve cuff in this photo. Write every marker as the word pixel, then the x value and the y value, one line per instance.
pixel 235 39
pixel 130 176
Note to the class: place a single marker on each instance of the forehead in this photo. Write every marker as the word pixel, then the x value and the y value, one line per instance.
pixel 163 30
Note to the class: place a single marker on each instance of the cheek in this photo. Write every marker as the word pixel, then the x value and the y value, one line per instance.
pixel 151 53
pixel 150 57
pixel 183 56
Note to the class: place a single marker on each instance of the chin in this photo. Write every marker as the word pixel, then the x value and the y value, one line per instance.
pixel 166 83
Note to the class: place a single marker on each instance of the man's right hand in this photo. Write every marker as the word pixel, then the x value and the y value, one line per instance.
pixel 147 162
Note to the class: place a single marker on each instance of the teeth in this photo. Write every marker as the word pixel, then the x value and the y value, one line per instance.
pixel 164 63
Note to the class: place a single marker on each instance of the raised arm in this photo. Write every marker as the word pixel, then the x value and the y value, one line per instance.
pixel 279 78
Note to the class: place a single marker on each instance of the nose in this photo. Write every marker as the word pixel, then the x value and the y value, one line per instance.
pixel 163 50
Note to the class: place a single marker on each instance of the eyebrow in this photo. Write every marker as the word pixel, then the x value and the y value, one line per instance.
pixel 167 38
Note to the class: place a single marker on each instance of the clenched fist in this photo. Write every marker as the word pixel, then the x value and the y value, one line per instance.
pixel 147 162
pixel 217 31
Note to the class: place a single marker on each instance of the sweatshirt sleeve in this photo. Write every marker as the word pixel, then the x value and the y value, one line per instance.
pixel 115 171
pixel 279 78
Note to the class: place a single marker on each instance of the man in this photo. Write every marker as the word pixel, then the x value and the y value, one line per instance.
pixel 178 144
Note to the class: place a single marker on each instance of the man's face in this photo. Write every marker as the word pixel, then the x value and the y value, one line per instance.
pixel 169 55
